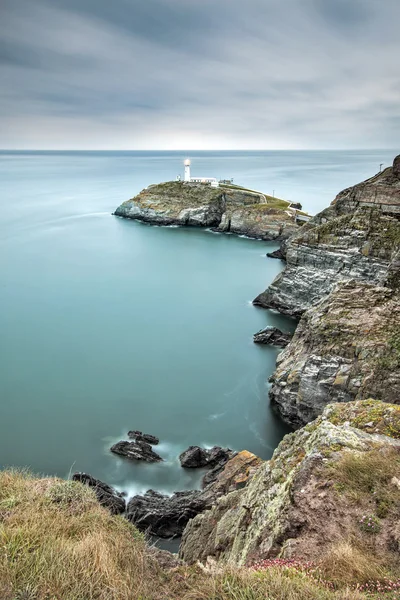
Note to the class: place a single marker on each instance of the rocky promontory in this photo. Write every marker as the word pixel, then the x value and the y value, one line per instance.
pixel 227 208
pixel 333 483
pixel 347 347
pixel 357 237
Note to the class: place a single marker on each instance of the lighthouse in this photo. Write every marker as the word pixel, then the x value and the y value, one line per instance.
pixel 187 170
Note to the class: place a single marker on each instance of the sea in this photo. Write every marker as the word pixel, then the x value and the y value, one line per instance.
pixel 109 325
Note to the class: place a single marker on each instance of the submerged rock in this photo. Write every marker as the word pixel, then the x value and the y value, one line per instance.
pixel 293 507
pixel 226 209
pixel 136 451
pixel 345 348
pixel 273 336
pixel 357 237
pixel 106 495
pixel 139 436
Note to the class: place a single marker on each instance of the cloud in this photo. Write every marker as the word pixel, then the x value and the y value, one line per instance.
pixel 201 74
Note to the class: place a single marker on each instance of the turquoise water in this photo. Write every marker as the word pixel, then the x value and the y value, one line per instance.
pixel 109 325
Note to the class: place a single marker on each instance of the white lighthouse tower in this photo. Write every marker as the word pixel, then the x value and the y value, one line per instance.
pixel 187 169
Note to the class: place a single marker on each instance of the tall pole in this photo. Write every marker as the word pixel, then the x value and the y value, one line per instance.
pixel 380 168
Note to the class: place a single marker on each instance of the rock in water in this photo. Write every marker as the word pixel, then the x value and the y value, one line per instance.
pixel 357 237
pixel 143 437
pixel 106 495
pixel 277 254
pixel 226 209
pixel 136 451
pixel 195 457
pixel 273 336
pixel 167 516
pixel 164 516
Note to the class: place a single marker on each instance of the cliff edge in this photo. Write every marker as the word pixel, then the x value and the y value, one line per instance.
pixel 356 237
pixel 226 208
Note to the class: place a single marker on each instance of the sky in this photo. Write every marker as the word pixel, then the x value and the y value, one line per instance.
pixel 199 74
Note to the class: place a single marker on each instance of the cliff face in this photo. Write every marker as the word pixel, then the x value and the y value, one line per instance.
pixel 347 347
pixel 357 237
pixel 225 209
pixel 304 500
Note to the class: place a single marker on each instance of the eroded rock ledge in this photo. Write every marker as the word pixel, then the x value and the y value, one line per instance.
pixel 357 237
pixel 226 209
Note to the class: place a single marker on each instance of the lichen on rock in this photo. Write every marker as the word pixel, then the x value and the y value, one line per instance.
pixel 292 506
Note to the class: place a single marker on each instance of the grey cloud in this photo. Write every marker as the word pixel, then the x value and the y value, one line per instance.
pixel 220 74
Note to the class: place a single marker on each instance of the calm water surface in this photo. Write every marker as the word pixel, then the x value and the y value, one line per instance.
pixel 109 325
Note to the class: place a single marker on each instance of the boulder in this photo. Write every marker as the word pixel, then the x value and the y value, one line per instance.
pixel 272 336
pixel 164 516
pixel 106 495
pixel 136 451
pixel 277 254
pixel 195 457
pixel 139 436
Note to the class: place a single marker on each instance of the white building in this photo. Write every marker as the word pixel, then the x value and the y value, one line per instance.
pixel 210 180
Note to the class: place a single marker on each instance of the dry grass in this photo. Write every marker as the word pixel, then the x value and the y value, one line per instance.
pixel 58 543
pixel 345 563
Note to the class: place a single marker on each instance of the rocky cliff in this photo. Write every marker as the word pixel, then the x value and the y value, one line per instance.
pixel 357 237
pixel 346 347
pixel 336 479
pixel 227 209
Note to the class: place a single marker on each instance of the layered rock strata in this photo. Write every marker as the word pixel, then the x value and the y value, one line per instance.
pixel 226 209
pixel 357 237
pixel 293 505
pixel 345 348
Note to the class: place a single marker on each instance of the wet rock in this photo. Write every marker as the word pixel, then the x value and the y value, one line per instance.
pixel 277 254
pixel 273 336
pixel 164 516
pixel 106 495
pixel 139 436
pixel 136 451
pixel 195 457
pixel 167 516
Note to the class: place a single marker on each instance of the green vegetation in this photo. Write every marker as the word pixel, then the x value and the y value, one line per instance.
pixel 58 543
pixel 368 415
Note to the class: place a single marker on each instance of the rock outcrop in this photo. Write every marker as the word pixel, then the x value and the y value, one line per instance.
pixel 303 500
pixel 195 457
pixel 136 451
pixel 167 516
pixel 106 495
pixel 139 436
pixel 345 348
pixel 357 237
pixel 226 209
pixel 273 336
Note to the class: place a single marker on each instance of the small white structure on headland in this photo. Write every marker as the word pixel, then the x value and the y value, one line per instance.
pixel 210 180
pixel 187 169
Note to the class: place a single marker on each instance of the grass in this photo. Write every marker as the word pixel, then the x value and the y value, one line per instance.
pixel 58 543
